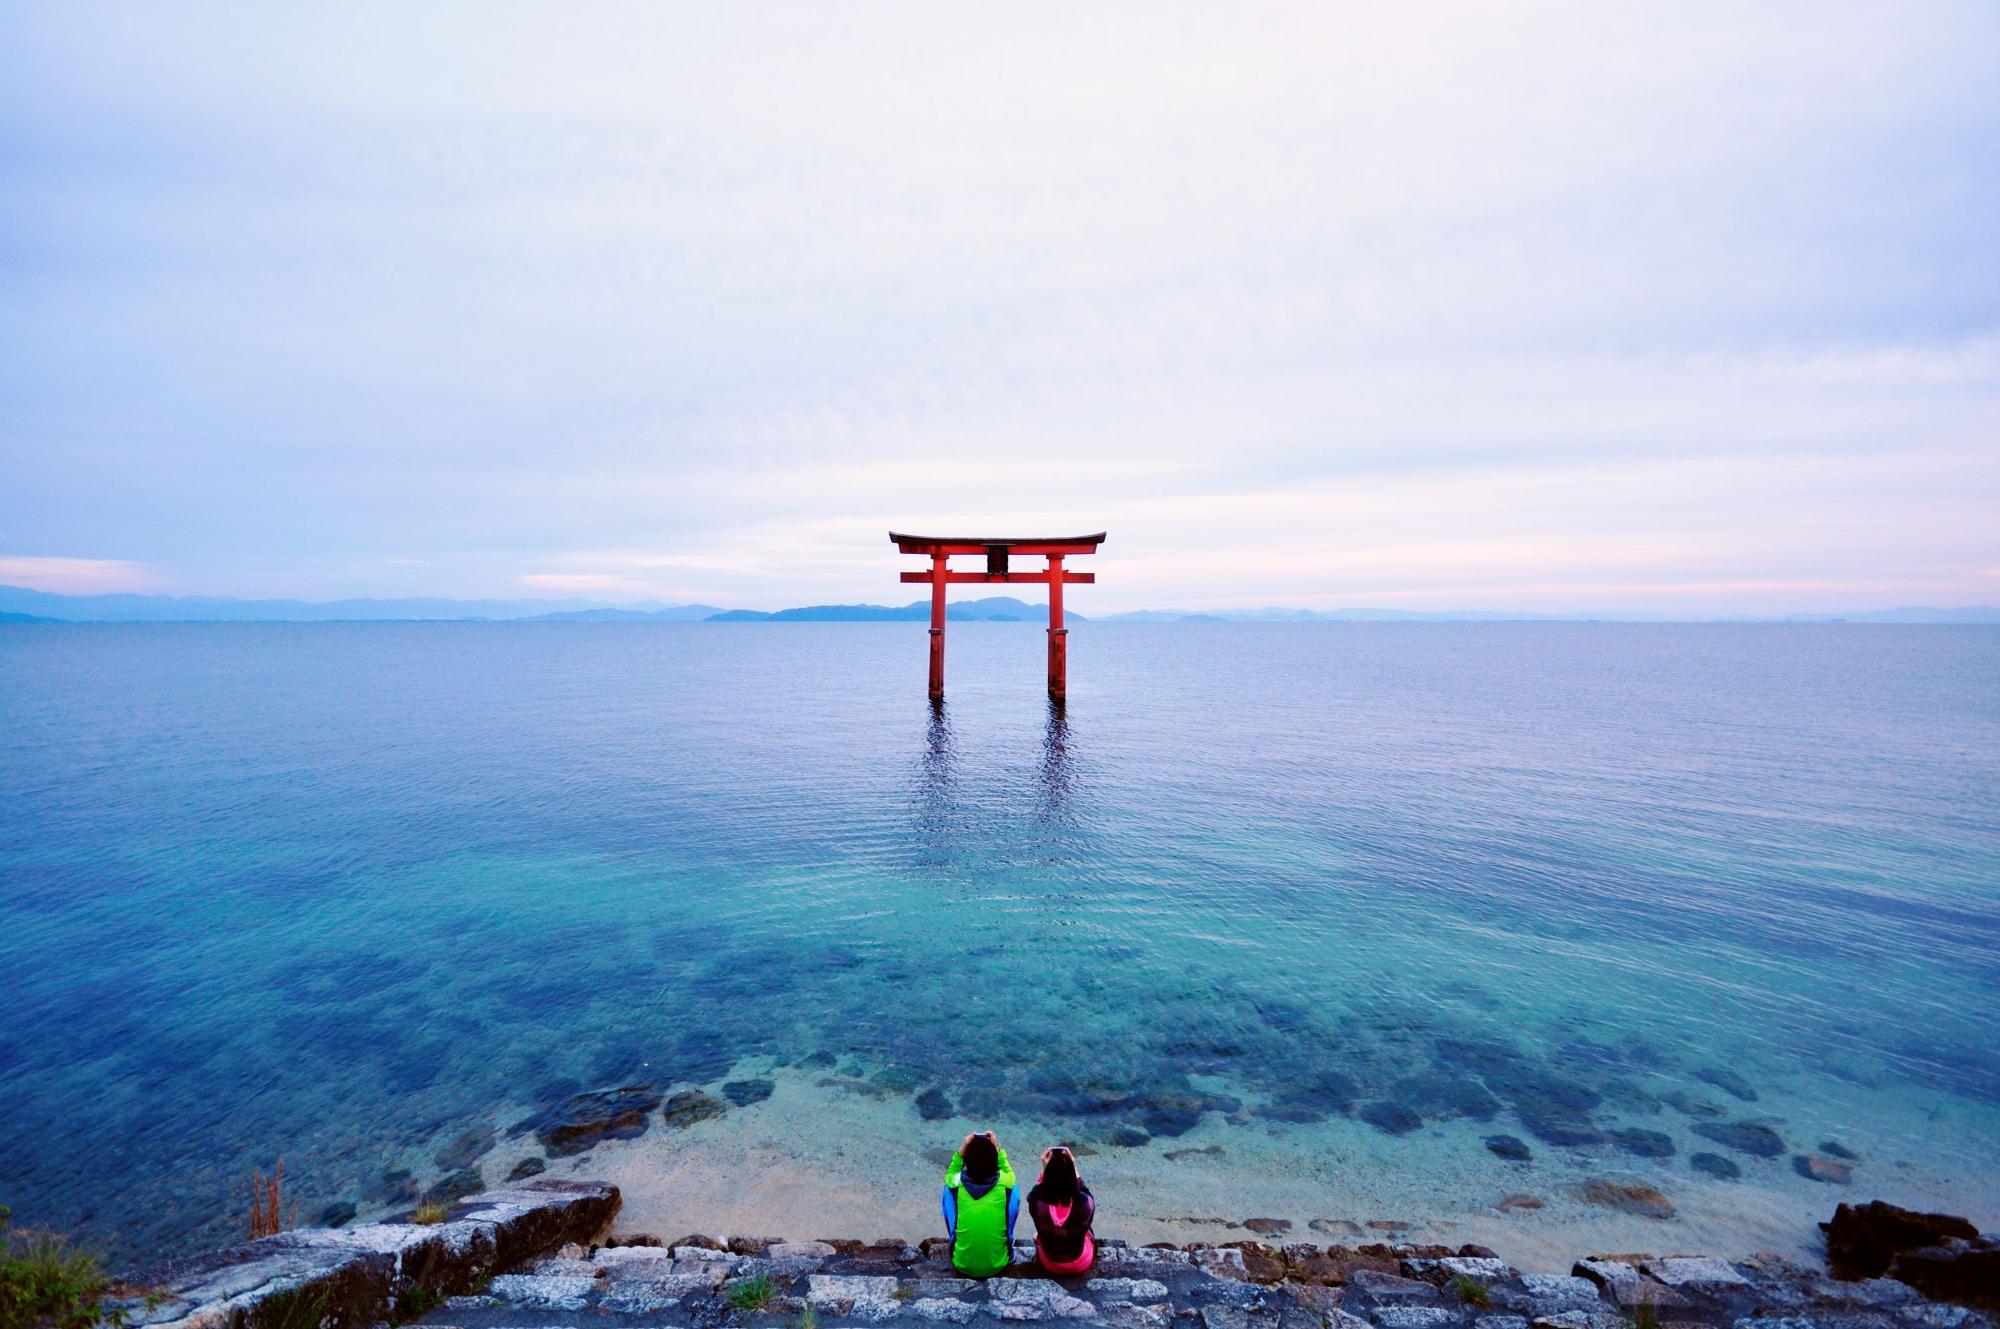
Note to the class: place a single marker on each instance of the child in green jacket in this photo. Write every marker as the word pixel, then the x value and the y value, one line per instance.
pixel 980 1204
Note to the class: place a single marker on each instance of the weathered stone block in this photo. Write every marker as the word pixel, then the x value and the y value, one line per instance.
pixel 943 1310
pixel 1126 1289
pixel 1695 1271
pixel 865 1297
pixel 547 1292
pixel 1035 1299
pixel 1414 1317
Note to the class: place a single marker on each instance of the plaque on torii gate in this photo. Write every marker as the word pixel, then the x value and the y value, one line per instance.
pixel 998 552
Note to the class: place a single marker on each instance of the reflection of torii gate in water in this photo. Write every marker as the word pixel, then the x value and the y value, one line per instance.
pixel 940 548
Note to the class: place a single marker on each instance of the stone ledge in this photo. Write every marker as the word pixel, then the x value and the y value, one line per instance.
pixel 341 1277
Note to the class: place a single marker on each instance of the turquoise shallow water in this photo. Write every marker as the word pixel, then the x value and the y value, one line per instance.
pixel 326 890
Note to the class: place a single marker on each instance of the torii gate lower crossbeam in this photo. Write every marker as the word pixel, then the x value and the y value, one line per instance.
pixel 998 553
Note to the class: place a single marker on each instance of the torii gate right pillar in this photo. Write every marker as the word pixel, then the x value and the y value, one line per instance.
pixel 1058 634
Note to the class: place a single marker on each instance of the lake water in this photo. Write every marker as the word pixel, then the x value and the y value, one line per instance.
pixel 1313 909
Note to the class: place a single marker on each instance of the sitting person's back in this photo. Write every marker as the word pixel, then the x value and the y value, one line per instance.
pixel 980 1205
pixel 1063 1210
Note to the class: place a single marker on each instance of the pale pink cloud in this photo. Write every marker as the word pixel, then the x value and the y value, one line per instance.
pixel 78 576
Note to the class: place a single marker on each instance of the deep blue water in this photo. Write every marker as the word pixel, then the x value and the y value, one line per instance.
pixel 323 890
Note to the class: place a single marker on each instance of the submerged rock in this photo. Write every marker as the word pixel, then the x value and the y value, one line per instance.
pixel 1835 1149
pixel 1818 1167
pixel 1688 1105
pixel 467 1148
pixel 1268 1227
pixel 1626 1197
pixel 1646 1144
pixel 1509 1147
pixel 1177 1155
pixel 603 1114
pixel 338 1214
pixel 689 1106
pixel 932 1105
pixel 1507 1204
pixel 1129 1137
pixel 530 1166
pixel 1392 1118
pixel 745 1092
pixel 1728 1081
pixel 1564 1130
pixel 1715 1165
pixel 456 1186
pixel 1745 1137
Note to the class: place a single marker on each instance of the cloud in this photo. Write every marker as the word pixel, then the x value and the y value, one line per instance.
pixel 77 576
pixel 1352 301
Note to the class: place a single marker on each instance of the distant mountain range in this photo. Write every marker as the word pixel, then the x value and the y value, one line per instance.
pixel 18 604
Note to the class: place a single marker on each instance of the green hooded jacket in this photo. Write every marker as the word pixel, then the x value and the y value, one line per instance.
pixel 980 1219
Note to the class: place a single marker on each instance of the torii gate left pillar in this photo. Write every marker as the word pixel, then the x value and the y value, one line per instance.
pixel 999 553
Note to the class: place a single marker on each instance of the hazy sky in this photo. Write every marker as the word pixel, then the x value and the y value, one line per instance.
pixel 1683 307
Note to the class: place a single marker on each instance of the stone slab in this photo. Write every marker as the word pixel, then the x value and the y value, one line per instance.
pixel 1695 1271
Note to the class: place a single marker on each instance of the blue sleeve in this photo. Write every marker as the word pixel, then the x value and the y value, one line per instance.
pixel 1013 1211
pixel 950 1206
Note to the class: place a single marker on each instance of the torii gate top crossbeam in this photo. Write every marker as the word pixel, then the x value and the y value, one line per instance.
pixel 980 544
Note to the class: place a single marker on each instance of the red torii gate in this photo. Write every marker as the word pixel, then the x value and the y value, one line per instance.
pixel 940 548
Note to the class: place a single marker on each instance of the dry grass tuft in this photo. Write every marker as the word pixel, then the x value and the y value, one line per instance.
pixel 267 1199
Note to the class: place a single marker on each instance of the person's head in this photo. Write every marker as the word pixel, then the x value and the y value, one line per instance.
pixel 1059 1174
pixel 981 1157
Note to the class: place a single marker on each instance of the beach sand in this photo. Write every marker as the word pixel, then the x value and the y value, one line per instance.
pixel 829 1157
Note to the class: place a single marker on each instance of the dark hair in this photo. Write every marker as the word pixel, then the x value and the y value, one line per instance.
pixel 1059 1177
pixel 981 1159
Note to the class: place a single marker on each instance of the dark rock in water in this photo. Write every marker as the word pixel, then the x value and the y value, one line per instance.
pixel 1129 1137
pixel 896 1079
pixel 1268 1227
pixel 1728 1081
pixel 689 1106
pixel 1863 1240
pixel 932 1105
pixel 745 1092
pixel 1950 1273
pixel 1311 1097
pixel 1562 1130
pixel 1507 1204
pixel 1688 1105
pixel 467 1148
pixel 604 1114
pixel 528 1167
pixel 1447 1094
pixel 1393 1118
pixel 396 1184
pixel 1835 1149
pixel 338 1214
pixel 1646 1144
pixel 819 1061
pixel 1626 1198
pixel 1207 1151
pixel 1715 1165
pixel 1510 1147
pixel 1818 1167
pixel 464 1182
pixel 1175 1112
pixel 1745 1137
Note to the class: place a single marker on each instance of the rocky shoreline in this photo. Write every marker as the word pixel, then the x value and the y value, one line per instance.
pixel 542 1255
